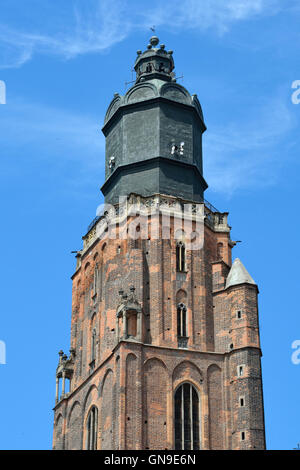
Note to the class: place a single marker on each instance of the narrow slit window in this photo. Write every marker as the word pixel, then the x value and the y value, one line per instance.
pixel 93 338
pixel 180 257
pixel 96 278
pixel 93 345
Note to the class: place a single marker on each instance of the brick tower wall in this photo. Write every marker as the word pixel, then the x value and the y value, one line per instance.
pixel 132 383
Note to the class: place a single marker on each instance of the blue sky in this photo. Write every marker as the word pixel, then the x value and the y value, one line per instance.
pixel 61 65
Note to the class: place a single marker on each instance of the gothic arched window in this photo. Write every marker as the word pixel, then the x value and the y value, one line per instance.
pixel 181 321
pixel 91 428
pixel 186 418
pixel 180 257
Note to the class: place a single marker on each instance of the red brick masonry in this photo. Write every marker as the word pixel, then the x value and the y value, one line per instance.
pixel 132 380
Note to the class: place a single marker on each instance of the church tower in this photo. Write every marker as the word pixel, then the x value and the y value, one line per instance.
pixel 165 350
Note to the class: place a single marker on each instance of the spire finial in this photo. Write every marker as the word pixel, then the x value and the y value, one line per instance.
pixel 154 41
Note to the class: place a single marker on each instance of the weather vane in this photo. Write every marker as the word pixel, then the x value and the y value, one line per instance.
pixel 153 28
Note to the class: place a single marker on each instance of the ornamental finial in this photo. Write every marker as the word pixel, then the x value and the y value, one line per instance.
pixel 154 41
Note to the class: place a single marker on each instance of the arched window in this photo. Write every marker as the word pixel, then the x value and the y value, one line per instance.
pixel 92 425
pixel 180 257
pixel 186 416
pixel 181 321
